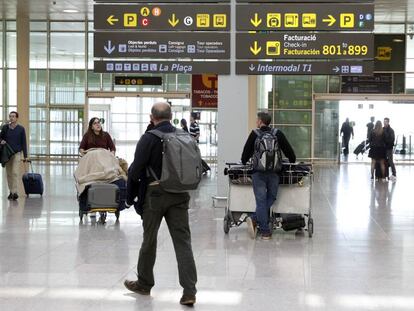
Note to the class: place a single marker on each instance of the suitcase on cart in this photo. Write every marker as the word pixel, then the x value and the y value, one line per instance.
pixel 32 182
pixel 103 198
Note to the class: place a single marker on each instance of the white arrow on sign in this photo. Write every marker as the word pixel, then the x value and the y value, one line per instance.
pixel 109 48
pixel 336 69
pixel 252 67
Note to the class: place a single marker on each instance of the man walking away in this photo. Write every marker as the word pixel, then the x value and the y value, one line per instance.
pixel 14 135
pixel 370 127
pixel 389 137
pixel 160 204
pixel 264 145
pixel 346 130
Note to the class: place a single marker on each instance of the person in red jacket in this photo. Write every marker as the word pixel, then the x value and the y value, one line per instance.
pixel 96 137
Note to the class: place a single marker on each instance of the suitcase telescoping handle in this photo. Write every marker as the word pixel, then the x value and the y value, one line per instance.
pixel 30 165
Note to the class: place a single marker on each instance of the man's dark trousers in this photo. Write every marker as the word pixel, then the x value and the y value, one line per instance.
pixel 174 208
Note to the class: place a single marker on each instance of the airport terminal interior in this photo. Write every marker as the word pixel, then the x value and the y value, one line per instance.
pixel 359 251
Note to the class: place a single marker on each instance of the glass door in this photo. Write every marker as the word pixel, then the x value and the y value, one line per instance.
pixel 326 125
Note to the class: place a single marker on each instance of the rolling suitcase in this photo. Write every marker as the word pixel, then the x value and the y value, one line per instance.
pixel 102 198
pixel 361 148
pixel 32 182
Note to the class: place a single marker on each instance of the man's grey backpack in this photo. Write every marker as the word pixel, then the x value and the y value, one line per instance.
pixel 181 161
pixel 267 156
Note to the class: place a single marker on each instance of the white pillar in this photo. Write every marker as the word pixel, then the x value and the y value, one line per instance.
pixel 23 59
pixel 233 114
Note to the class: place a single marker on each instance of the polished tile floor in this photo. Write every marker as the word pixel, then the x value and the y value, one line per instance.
pixel 361 256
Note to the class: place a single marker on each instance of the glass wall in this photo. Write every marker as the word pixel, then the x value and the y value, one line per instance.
pixel 61 71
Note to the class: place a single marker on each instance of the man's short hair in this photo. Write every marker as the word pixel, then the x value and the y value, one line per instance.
pixel 264 117
pixel 161 112
pixel 387 119
pixel 15 112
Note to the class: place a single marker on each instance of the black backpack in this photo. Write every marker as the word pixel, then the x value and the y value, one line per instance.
pixel 267 156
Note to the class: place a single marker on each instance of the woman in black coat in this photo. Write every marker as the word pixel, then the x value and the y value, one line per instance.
pixel 377 151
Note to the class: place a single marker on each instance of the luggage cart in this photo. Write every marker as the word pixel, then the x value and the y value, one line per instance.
pixel 294 199
pixel 240 199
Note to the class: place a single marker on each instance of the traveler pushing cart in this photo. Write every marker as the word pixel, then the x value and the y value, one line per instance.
pixel 292 208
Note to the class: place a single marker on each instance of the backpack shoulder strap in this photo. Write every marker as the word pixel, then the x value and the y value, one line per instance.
pixel 157 133
pixel 258 132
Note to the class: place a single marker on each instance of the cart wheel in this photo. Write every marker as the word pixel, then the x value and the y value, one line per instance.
pixel 226 225
pixel 117 215
pixel 102 217
pixel 310 227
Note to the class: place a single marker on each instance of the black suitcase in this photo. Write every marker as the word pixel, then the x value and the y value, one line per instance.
pixel 206 168
pixel 32 182
pixel 362 147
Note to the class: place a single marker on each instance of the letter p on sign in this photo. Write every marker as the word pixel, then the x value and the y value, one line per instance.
pixel 347 20
pixel 130 20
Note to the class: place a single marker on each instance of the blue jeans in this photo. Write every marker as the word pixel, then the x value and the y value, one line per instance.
pixel 265 185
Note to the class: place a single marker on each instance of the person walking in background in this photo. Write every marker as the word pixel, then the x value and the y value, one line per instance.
pixel 183 124
pixel 370 127
pixel 346 132
pixel 14 135
pixel 96 137
pixel 377 151
pixel 194 128
pixel 389 137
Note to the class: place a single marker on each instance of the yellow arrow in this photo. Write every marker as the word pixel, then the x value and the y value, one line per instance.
pixel 255 49
pixel 331 20
pixel 256 21
pixel 173 21
pixel 111 19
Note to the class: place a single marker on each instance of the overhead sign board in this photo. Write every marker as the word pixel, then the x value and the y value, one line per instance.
pixel 304 45
pixel 136 80
pixel 380 83
pixel 301 1
pixel 315 16
pixel 305 68
pixel 203 45
pixel 183 67
pixel 163 1
pixel 162 17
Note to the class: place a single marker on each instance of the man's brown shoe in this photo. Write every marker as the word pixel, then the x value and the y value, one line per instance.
pixel 133 286
pixel 188 300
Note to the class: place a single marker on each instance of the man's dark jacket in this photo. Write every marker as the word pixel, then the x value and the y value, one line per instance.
pixel 389 137
pixel 284 145
pixel 148 153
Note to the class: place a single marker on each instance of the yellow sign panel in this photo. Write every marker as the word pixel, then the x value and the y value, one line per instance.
pixel 309 20
pixel 273 48
pixel 291 20
pixel 274 20
pixel 219 20
pixel 145 11
pixel 130 20
pixel 347 20
pixel 384 53
pixel 203 20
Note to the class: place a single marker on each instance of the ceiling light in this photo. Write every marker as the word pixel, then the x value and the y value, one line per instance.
pixel 70 11
pixel 397 40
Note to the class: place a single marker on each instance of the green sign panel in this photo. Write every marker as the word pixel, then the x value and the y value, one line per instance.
pixel 304 45
pixel 178 17
pixel 315 16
